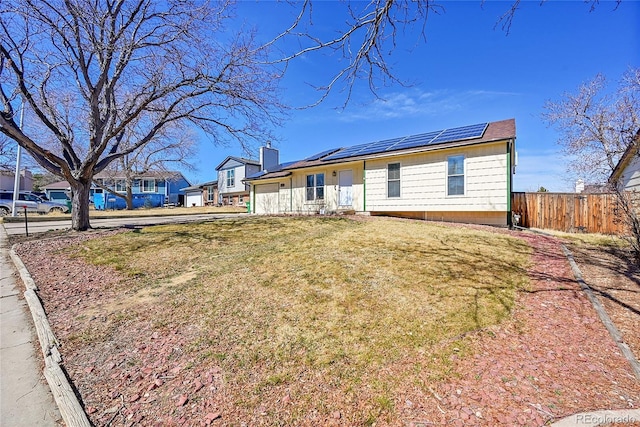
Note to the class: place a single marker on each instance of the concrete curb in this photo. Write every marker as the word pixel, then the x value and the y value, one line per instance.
pixel 70 408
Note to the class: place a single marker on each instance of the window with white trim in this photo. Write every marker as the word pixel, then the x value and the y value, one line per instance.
pixel 231 178
pixel 455 176
pixel 393 180
pixel 211 194
pixel 315 187
pixel 121 185
pixel 148 185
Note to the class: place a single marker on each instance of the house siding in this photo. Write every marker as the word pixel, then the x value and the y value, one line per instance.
pixel 630 178
pixel 423 181
pixel 289 193
pixel 232 194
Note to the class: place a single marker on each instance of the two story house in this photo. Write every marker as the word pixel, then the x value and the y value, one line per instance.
pixel 232 191
pixel 153 189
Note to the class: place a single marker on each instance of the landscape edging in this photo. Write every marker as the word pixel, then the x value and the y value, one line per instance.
pixel 70 408
pixel 604 417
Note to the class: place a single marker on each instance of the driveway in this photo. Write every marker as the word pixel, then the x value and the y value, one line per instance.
pixel 17 228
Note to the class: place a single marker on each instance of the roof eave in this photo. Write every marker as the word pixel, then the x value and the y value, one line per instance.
pixel 625 160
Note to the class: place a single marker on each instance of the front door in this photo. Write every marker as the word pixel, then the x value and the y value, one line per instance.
pixel 345 184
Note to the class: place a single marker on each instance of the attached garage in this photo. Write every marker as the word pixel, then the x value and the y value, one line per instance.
pixel 266 199
pixel 193 198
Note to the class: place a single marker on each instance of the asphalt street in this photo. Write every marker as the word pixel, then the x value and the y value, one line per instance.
pixel 15 228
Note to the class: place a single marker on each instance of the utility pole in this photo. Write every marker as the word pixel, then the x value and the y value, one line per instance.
pixel 16 181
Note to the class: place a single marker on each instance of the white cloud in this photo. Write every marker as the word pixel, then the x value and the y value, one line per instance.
pixel 416 103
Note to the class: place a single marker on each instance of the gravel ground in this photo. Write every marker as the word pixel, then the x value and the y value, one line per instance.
pixel 551 359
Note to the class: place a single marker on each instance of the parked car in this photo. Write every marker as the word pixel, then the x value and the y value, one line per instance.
pixel 31 201
pixel 41 194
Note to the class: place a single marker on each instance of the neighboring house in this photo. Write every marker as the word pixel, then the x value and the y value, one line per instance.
pixel 583 188
pixel 205 194
pixel 57 191
pixel 153 189
pixel 7 180
pixel 627 171
pixel 232 191
pixel 463 174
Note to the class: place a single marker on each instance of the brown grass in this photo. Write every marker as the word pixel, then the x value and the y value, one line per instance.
pixel 590 239
pixel 336 313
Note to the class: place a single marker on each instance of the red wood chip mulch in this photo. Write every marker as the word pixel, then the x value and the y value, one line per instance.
pixel 553 358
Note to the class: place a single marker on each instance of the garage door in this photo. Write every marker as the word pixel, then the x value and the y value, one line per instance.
pixel 266 198
pixel 194 199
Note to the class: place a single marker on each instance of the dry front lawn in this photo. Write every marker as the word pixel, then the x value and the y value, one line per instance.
pixel 281 321
pixel 333 321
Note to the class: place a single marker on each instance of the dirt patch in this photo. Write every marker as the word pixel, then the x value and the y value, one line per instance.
pixel 550 359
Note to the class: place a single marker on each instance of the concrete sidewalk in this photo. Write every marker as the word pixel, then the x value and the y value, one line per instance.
pixel 25 398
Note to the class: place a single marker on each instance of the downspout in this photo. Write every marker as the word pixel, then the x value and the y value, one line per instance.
pixel 509 183
pixel 364 185
pixel 290 194
pixel 252 189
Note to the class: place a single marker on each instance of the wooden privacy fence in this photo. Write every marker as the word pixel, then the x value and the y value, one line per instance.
pixel 568 212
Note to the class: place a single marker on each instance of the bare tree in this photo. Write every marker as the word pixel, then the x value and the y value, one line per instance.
pixel 7 153
pixel 172 150
pixel 367 38
pixel 506 19
pixel 91 72
pixel 597 127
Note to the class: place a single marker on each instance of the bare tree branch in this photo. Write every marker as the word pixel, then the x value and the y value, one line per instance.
pixel 105 79
pixel 597 127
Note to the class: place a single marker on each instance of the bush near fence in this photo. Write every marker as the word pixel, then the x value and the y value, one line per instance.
pixel 569 212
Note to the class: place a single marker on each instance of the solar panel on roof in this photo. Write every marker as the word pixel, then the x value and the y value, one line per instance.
pixel 414 141
pixel 320 155
pixel 465 132
pixel 378 146
pixel 345 152
pixel 421 140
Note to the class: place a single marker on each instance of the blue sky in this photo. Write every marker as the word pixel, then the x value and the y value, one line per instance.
pixel 465 72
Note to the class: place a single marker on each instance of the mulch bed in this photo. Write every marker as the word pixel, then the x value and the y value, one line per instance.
pixel 553 358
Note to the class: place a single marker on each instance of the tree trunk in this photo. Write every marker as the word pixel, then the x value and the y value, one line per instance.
pixel 129 197
pixel 80 205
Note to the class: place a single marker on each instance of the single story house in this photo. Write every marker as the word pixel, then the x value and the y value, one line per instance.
pixel 232 191
pixel 627 172
pixel 57 191
pixel 463 174
pixel 205 194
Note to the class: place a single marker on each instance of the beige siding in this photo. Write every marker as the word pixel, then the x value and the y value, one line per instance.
pixel 331 188
pixel 290 192
pixel 266 198
pixel 488 218
pixel 423 181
